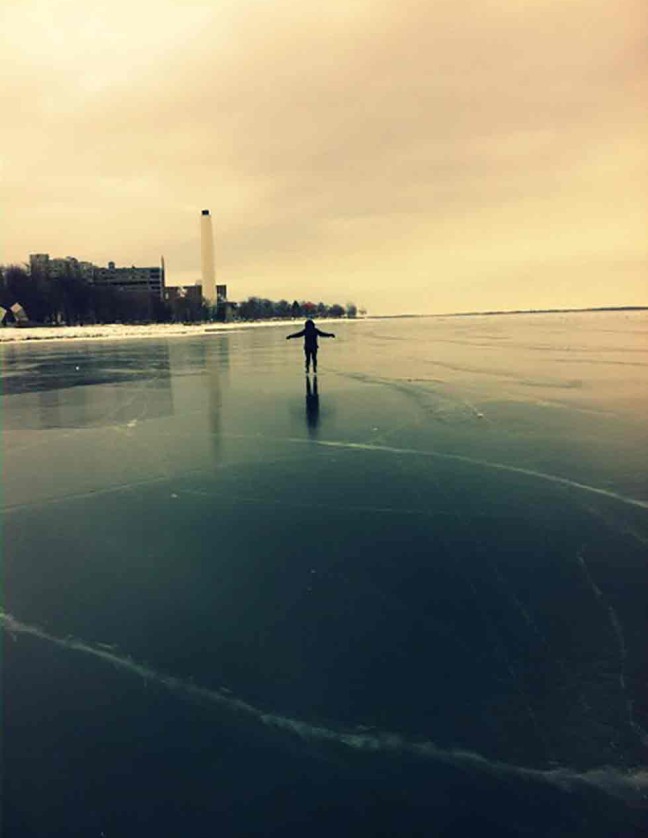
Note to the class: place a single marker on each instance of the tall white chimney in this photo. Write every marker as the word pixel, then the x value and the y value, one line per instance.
pixel 207 254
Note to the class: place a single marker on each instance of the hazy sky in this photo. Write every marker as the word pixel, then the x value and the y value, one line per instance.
pixel 419 155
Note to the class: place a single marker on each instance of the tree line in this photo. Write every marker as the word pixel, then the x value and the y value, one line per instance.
pixel 69 299
pixel 257 308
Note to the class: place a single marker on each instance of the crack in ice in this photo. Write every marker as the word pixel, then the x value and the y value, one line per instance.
pixel 540 475
pixel 619 637
pixel 631 786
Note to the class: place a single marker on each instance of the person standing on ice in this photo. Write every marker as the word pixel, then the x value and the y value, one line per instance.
pixel 310 333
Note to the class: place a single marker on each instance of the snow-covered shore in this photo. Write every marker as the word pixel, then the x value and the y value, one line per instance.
pixel 117 331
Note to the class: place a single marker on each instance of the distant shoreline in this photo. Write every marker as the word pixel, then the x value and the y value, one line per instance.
pixel 132 331
pixel 512 311
pixel 117 331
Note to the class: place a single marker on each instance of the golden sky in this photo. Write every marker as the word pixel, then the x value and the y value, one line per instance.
pixel 411 156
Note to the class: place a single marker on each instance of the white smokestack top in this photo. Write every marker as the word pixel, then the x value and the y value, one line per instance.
pixel 207 254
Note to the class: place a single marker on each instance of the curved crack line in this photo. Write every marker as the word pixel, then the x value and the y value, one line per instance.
pixel 631 786
pixel 540 475
pixel 617 632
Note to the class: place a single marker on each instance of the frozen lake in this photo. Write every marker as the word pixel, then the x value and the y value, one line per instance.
pixel 407 597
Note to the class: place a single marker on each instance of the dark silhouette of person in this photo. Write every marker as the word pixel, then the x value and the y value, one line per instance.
pixel 312 405
pixel 310 333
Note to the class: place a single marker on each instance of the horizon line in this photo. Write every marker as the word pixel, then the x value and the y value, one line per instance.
pixel 513 311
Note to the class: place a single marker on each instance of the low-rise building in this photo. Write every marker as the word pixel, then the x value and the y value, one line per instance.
pixel 151 279
pixel 39 263
pixel 185 301
pixel 132 279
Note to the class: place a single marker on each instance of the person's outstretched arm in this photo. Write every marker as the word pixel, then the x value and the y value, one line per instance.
pixel 324 334
pixel 297 335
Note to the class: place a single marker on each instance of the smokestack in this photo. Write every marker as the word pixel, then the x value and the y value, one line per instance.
pixel 207 254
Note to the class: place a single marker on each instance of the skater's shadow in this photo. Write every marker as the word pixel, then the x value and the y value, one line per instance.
pixel 312 405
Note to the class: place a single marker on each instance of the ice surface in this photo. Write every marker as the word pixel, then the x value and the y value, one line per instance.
pixel 436 554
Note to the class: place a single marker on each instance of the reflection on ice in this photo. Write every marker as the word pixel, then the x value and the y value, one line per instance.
pixel 312 405
pixel 87 387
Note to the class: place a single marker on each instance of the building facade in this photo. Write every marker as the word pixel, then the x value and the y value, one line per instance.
pixel 151 280
pixel 186 302
pixel 131 279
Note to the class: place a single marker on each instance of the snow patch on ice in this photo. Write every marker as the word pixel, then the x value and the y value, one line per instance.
pixel 119 331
